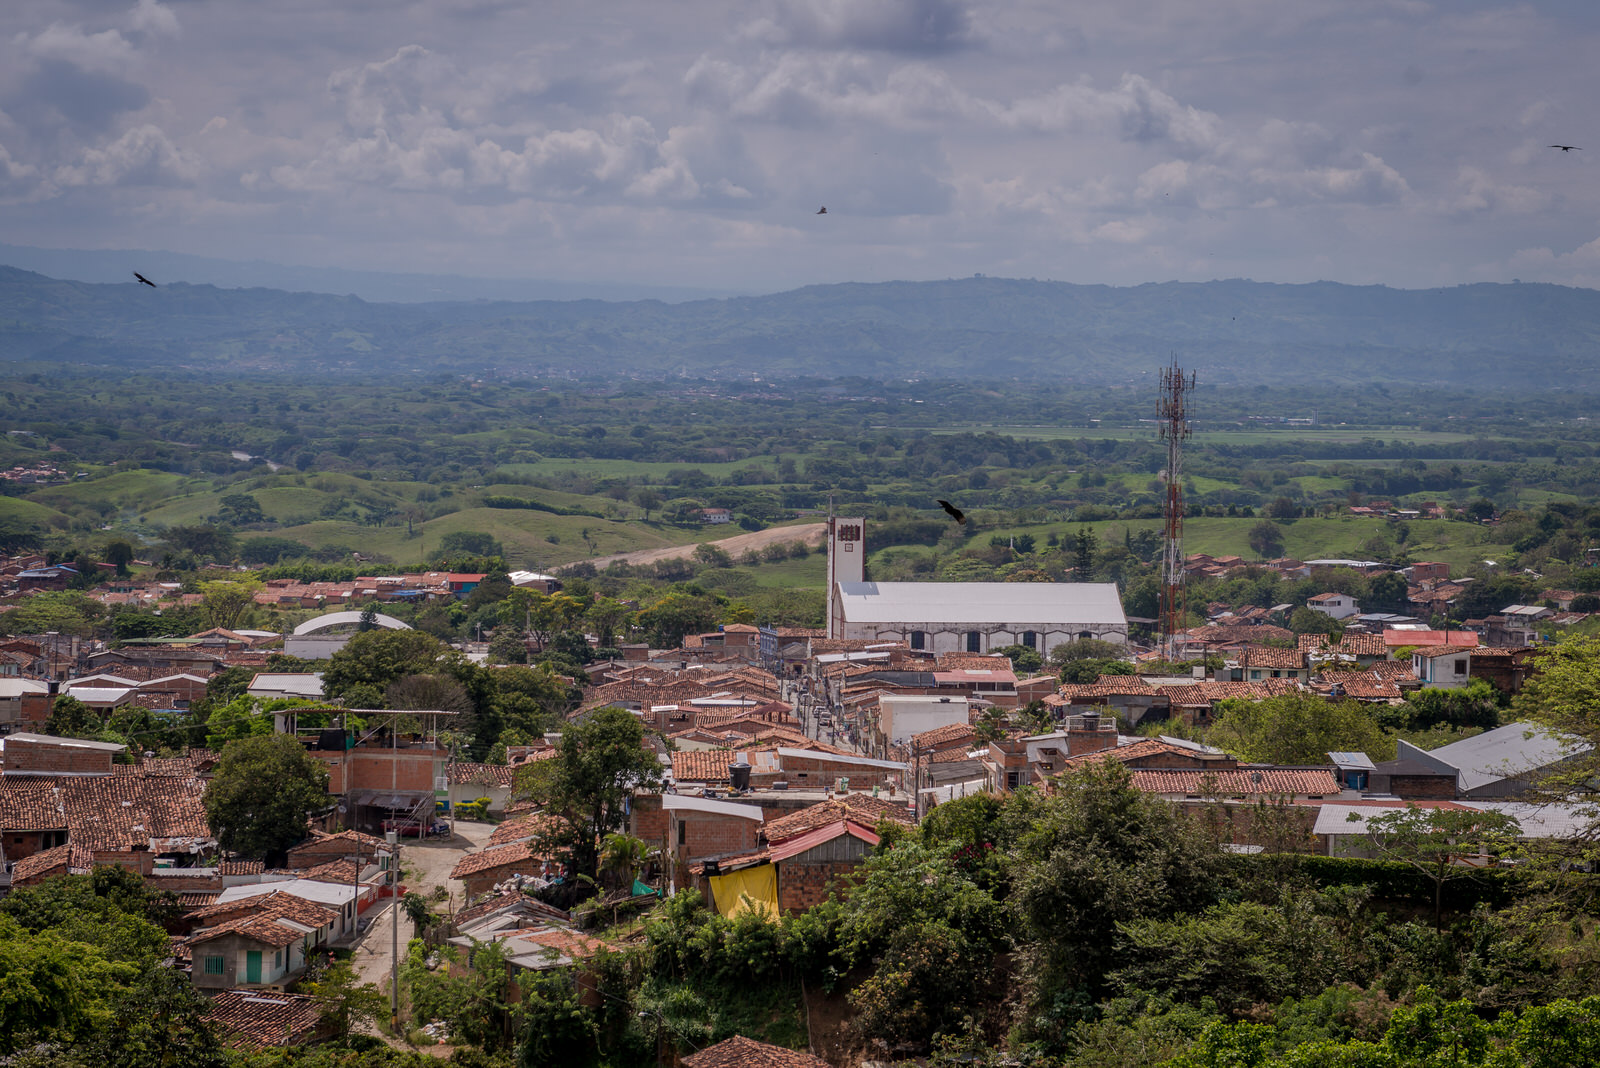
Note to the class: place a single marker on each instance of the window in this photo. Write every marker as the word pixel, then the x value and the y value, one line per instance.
pixel 1012 779
pixel 919 639
pixel 1030 639
pixel 683 833
pixel 1086 634
pixel 277 959
pixel 974 642
pixel 213 965
pixel 1461 667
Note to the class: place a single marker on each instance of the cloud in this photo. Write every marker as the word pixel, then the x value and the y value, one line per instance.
pixel 917 26
pixel 148 16
pixel 58 92
pixel 142 156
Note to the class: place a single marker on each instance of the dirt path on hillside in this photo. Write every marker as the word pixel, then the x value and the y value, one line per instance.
pixel 736 546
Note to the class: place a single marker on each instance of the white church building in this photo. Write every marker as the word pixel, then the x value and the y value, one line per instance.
pixel 962 617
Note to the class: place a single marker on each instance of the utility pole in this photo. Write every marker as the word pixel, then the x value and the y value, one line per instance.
pixel 394 931
pixel 1173 414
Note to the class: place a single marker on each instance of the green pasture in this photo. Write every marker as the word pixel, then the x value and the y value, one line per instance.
pixel 19 514
pixel 1216 436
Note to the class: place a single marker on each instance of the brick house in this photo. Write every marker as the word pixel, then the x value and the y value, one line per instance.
pixel 700 827
pixel 265 948
pixel 480 871
pixel 322 849
pixel 249 1020
pixel 43 754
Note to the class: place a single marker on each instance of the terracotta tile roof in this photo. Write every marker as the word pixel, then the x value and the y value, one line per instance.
pixel 511 899
pixel 263 929
pixel 1143 749
pixel 487 859
pixel 464 774
pixel 352 841
pixel 30 805
pixel 60 860
pixel 1274 659
pixel 863 808
pixel 269 906
pixel 238 866
pixel 519 828
pixel 1364 645
pixel 1214 634
pixel 1107 686
pixel 1361 685
pixel 709 765
pixel 198 899
pixel 1204 694
pixel 1229 783
pixel 121 811
pixel 956 734
pixel 335 871
pixel 1398 670
pixel 258 1019
pixel 741 1052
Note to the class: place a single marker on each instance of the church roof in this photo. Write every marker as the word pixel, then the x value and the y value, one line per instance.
pixel 1091 604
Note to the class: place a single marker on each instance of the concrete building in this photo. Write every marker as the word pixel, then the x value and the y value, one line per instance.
pixel 978 617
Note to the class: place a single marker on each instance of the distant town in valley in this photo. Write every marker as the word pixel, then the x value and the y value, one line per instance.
pixel 692 702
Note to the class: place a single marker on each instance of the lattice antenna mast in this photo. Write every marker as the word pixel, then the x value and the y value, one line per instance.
pixel 1173 416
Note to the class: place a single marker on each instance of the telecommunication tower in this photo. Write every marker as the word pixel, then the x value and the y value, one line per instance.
pixel 1173 417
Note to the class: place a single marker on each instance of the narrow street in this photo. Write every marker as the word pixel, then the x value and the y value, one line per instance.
pixel 425 865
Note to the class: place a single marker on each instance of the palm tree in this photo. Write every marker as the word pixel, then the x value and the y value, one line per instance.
pixel 621 858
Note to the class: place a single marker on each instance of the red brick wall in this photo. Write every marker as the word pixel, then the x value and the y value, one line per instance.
pixel 49 756
pixel 801 886
pixel 821 773
pixel 335 764
pixel 1432 787
pixel 370 769
pixel 649 819
pixel 36 709
pixel 707 834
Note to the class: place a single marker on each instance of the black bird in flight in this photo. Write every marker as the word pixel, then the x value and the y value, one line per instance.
pixel 1567 148
pixel 822 210
pixel 955 513
pixel 145 280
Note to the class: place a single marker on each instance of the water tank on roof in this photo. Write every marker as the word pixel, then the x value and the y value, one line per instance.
pixel 739 774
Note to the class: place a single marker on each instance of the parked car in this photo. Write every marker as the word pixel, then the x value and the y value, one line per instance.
pixel 405 828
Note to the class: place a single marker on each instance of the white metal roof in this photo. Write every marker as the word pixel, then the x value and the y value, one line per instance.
pixel 310 889
pixel 341 619
pixel 11 689
pixel 70 743
pixel 840 758
pixel 1042 603
pixel 294 683
pixel 1505 752
pixel 680 803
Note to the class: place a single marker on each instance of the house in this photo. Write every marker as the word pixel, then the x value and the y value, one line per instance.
pixel 1501 763
pixel 1256 663
pixel 469 782
pixel 790 875
pixel 345 900
pixel 713 516
pixel 322 848
pixel 699 827
pixel 266 948
pixel 270 685
pixel 480 871
pixel 741 1052
pixel 1333 605
pixel 251 1020
pixel 1443 667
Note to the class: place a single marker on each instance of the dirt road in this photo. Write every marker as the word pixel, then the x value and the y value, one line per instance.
pixel 736 546
pixel 427 864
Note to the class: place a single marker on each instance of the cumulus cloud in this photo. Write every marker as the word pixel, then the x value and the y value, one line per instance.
pixel 149 16
pixel 875 25
pixel 143 155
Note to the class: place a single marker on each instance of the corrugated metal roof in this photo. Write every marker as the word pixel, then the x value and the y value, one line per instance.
pixel 1063 603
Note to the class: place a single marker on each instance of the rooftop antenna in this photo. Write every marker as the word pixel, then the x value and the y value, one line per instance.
pixel 1173 416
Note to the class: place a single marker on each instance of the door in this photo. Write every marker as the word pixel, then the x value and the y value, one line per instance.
pixel 252 966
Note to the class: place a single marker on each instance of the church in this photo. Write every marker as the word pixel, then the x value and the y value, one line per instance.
pixel 962 617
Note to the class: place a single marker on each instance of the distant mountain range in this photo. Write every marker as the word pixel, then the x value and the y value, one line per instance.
pixel 1236 333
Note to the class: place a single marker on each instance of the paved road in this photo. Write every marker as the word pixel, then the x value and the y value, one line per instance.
pixel 428 865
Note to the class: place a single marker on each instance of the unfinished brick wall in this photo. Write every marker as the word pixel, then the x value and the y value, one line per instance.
pixel 1430 787
pixel 707 834
pixel 399 769
pixel 55 756
pixel 818 772
pixel 801 886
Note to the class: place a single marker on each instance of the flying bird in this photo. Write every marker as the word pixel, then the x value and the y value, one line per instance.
pixel 955 513
pixel 145 280
pixel 1567 148
pixel 822 210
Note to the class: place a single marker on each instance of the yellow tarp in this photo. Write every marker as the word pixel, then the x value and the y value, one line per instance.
pixel 749 890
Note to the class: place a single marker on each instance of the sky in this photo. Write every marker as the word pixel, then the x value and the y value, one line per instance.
pixel 691 142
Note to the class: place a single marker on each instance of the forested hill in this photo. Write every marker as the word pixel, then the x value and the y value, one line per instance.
pixel 1234 332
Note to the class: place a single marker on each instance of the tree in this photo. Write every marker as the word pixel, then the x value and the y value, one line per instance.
pixel 119 554
pixel 225 601
pixel 71 718
pixel 1433 841
pixel 1085 649
pixel 1304 621
pixel 66 612
pixel 590 783
pixel 1561 695
pixel 380 657
pixel 1085 547
pixel 1266 539
pixel 207 542
pixel 369 619
pixel 1023 657
pixel 348 1004
pixel 1297 729
pixel 607 617
pixel 469 543
pixel 676 615
pixel 259 797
